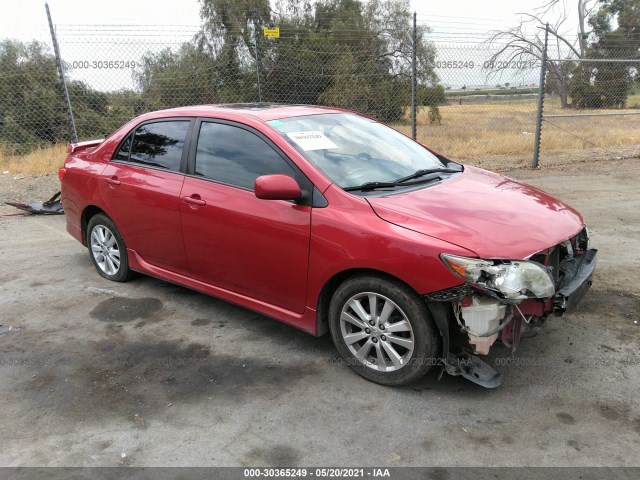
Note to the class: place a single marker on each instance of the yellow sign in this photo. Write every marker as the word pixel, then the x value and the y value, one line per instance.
pixel 271 32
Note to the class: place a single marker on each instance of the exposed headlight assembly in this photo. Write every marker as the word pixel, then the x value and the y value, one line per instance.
pixel 511 279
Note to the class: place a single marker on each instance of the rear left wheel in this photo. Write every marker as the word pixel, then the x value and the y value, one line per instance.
pixel 107 249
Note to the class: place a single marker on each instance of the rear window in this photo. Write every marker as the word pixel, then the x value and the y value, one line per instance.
pixel 158 144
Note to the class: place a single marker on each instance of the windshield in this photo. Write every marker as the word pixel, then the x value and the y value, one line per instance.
pixel 352 150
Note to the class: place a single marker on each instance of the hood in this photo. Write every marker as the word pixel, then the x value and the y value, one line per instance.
pixel 492 215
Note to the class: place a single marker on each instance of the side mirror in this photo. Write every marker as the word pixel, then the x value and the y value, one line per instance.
pixel 277 187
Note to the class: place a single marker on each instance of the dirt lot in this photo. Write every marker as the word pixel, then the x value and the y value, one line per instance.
pixel 147 373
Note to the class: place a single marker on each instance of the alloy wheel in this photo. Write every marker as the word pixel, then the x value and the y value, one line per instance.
pixel 377 332
pixel 105 249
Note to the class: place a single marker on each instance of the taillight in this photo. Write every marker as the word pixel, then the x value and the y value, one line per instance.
pixel 61 173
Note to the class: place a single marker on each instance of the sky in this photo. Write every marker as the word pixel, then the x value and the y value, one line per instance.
pixel 22 19
pixel 452 22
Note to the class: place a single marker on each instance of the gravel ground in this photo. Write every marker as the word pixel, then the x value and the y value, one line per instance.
pixel 150 374
pixel 22 188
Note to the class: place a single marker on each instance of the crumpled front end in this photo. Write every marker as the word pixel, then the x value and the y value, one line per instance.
pixel 502 299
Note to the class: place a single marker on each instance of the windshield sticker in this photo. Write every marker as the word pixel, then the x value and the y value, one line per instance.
pixel 275 123
pixel 311 140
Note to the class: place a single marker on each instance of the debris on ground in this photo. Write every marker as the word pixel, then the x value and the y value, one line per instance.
pixel 53 206
pixel 9 328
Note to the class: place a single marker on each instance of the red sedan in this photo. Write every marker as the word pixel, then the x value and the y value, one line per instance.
pixel 330 221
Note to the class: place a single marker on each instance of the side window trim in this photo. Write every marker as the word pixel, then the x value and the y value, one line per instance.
pixel 301 178
pixel 186 149
pixel 128 137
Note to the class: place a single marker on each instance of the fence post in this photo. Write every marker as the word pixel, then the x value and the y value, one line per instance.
pixel 414 79
pixel 543 77
pixel 257 41
pixel 63 83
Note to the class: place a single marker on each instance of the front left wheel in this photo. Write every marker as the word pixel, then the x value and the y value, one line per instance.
pixel 383 330
pixel 107 249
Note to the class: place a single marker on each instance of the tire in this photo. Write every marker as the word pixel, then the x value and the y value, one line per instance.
pixel 399 347
pixel 107 249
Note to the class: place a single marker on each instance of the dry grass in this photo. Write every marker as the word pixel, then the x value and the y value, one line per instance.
pixel 494 135
pixel 39 162
pixel 485 131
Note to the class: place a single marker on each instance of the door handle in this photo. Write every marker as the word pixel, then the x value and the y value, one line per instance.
pixel 112 181
pixel 194 200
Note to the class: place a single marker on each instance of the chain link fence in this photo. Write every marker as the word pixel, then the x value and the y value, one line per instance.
pixel 471 102
pixel 595 112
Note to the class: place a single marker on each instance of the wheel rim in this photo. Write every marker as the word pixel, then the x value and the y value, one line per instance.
pixel 377 332
pixel 105 249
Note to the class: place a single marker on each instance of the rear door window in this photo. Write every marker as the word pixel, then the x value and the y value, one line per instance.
pixel 159 144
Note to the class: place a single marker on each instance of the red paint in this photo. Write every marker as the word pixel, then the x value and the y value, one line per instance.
pixel 80 146
pixel 256 248
pixel 494 216
pixel 467 301
pixel 277 187
pixel 145 205
pixel 275 256
pixel 534 307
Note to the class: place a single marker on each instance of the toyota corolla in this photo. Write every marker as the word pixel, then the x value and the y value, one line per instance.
pixel 330 222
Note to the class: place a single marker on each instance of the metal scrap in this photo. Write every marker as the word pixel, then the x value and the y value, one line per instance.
pixel 9 328
pixel 53 206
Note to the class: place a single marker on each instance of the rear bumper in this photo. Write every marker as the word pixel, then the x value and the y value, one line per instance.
pixel 577 281
pixel 75 231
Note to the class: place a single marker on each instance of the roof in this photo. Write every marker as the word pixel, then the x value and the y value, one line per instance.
pixel 260 111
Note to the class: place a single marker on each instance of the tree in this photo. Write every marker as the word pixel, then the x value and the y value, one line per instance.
pixel 191 76
pixel 431 95
pixel 350 54
pixel 32 109
pixel 344 53
pixel 519 44
pixel 31 112
pixel 228 32
pixel 607 84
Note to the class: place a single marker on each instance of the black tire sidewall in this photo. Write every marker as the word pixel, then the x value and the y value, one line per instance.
pixel 123 273
pixel 426 338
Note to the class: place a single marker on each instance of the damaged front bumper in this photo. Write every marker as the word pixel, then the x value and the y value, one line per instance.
pixel 471 319
pixel 576 281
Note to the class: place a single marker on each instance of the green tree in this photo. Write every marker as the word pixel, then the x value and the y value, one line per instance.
pixel 32 108
pixel 352 54
pixel 344 53
pixel 607 85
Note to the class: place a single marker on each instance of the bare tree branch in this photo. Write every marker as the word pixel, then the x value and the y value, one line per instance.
pixel 565 41
pixel 547 7
pixel 519 43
